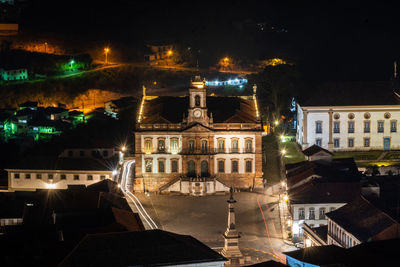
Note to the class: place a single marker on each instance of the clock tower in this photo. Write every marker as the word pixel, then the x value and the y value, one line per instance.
pixel 197 102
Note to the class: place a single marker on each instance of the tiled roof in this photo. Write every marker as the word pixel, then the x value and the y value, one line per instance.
pixel 324 192
pixel 168 109
pixel 362 219
pixel 144 248
pixel 319 255
pixel 315 149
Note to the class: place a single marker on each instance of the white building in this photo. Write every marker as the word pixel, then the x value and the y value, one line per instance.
pixel 310 202
pixel 354 118
pixel 58 173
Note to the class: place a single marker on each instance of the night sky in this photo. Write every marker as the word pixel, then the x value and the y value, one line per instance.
pixel 335 40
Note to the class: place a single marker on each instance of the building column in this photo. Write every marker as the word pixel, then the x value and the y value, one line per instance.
pixel 305 129
pixel 330 142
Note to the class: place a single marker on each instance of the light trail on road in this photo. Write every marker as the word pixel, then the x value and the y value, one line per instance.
pixel 276 255
pixel 139 207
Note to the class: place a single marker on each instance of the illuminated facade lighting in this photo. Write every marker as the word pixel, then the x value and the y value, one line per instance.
pixel 50 186
pixel 238 82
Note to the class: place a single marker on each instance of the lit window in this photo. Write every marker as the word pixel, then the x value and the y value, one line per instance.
pixel 249 145
pixel 235 166
pixel 90 177
pixel 174 146
pixel 161 145
pixel 149 165
pixel 148 145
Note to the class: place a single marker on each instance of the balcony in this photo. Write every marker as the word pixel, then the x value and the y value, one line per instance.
pixel 213 151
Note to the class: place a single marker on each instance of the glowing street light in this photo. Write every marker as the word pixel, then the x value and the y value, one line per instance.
pixel 276 123
pixel 106 50
pixel 123 148
pixel 286 198
pixel 283 152
pixel 169 53
pixel 282 138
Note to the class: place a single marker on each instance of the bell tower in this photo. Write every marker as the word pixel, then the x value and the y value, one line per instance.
pixel 197 102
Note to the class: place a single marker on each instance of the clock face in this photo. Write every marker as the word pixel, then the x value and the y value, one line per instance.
pixel 197 113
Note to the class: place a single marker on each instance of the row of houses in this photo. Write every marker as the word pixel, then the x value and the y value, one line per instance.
pixel 331 203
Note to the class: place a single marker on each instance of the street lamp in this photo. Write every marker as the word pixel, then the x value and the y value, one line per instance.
pixel 282 138
pixel 106 50
pixel 71 63
pixel 285 198
pixel 276 122
pixel 170 52
pixel 283 152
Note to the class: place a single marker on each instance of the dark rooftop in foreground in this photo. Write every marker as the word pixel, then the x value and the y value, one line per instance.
pixel 323 255
pixel 168 109
pixel 351 94
pixel 315 149
pixel 144 248
pixel 362 219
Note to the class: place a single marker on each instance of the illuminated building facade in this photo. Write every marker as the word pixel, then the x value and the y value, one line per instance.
pixel 198 136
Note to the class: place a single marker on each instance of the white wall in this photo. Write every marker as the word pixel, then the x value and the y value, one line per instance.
pixel 43 183
pixel 376 139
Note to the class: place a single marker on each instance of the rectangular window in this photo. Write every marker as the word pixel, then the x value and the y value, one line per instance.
pixel 311 215
pixel 203 146
pixel 50 176
pixel 76 176
pixel 351 142
pixel 221 166
pixel 393 126
pixel 351 127
pixel 221 146
pixel 27 176
pixel 235 146
pixel 367 126
pixel 331 209
pixel 301 214
pixel 90 177
pixel 105 153
pixel 366 142
pixel 63 177
pixel 322 213
pixel 161 145
pixel 248 165
pixel 149 165
pixel 148 146
pixel 249 146
pixel 174 166
pixel 161 166
pixel 70 153
pixel 81 153
pixel 235 166
pixel 318 127
pixel 336 127
pixel 336 142
pixel 38 176
pixel 174 146
pixel 191 146
pixel 102 177
pixel 318 142
pixel 380 126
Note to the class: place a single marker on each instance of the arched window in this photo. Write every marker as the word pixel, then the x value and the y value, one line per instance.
pixel 191 169
pixel 204 146
pixel 197 100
